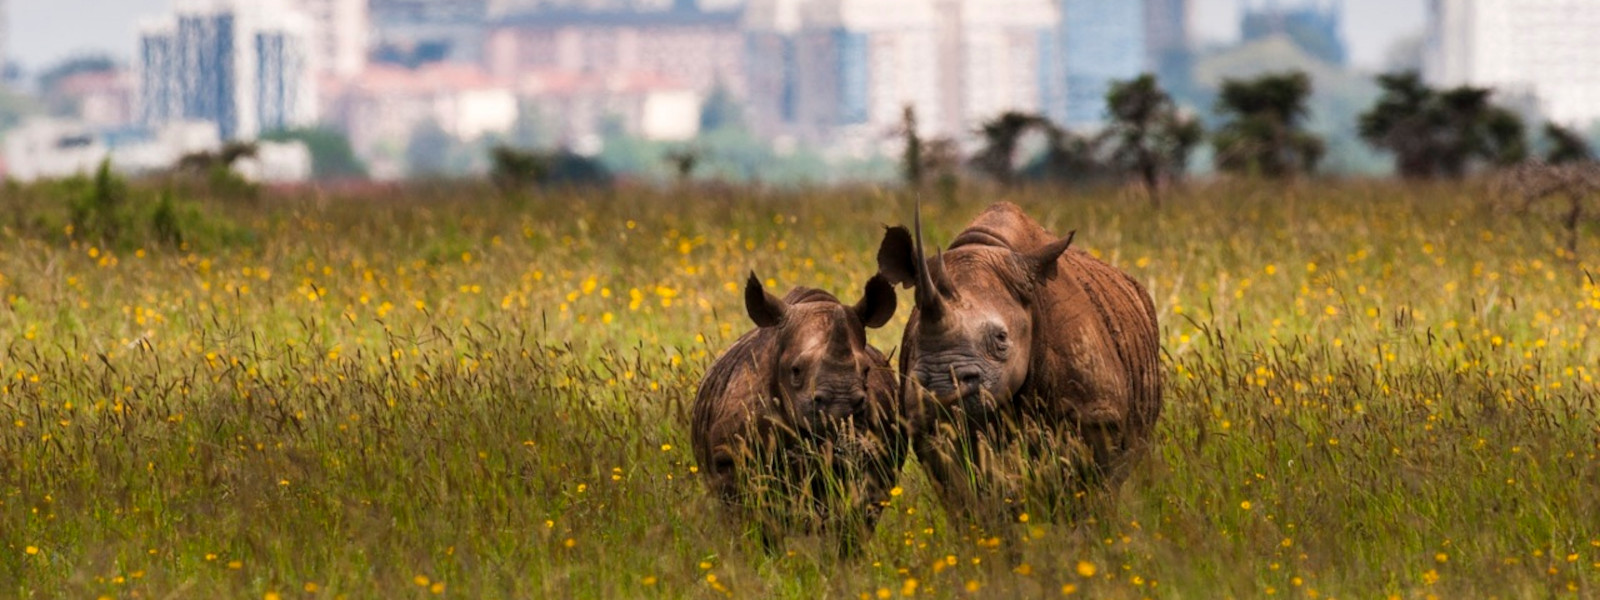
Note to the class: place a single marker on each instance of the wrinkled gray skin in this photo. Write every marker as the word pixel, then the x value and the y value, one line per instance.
pixel 797 426
pixel 1019 350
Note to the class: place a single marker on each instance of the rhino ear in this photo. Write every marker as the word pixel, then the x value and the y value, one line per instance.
pixel 1041 263
pixel 877 302
pixel 764 308
pixel 897 257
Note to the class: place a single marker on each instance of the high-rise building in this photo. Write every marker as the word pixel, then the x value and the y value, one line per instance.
pixel 339 35
pixel 1104 40
pixel 771 64
pixel 846 69
pixel 858 63
pixel 1166 41
pixel 1000 55
pixel 1313 25
pixel 418 31
pixel 701 49
pixel 1537 47
pixel 241 64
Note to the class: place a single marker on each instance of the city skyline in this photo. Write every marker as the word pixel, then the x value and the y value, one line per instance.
pixel 39 39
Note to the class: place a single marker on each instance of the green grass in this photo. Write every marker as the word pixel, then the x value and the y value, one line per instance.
pixel 1372 390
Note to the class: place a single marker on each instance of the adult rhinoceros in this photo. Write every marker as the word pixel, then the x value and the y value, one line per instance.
pixel 1027 368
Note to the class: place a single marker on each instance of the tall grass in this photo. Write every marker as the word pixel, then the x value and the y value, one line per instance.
pixel 1372 390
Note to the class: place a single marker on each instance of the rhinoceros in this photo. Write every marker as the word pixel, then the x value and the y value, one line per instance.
pixel 1028 369
pixel 797 426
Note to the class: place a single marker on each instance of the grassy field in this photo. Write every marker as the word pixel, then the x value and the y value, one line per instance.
pixel 1372 391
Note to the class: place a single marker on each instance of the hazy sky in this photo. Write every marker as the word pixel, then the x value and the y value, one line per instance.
pixel 45 31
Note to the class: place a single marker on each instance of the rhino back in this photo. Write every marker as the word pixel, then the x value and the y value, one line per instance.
pixel 1097 347
pixel 728 399
pixel 1003 224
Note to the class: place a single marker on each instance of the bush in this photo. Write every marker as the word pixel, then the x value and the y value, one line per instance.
pixel 513 170
pixel 107 210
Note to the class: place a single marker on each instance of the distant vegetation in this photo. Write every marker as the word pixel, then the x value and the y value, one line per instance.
pixel 1264 129
pixel 331 156
pixel 1441 133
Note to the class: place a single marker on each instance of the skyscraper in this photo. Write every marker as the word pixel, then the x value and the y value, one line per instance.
pixel 242 64
pixel 846 69
pixel 1313 25
pixel 338 35
pixel 1166 41
pixel 416 31
pixel 1104 40
pixel 1537 47
pixel 1001 55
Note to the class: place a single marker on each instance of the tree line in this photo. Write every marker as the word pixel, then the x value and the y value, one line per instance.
pixel 1431 133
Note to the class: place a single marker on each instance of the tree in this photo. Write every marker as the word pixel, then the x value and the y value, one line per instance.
pixel 1440 133
pixel 513 170
pixel 1565 145
pixel 683 161
pixel 1266 130
pixel 923 158
pixel 1265 134
pixel 331 155
pixel 1149 137
pixel 1001 136
pixel 1403 121
pixel 1069 157
pixel 911 160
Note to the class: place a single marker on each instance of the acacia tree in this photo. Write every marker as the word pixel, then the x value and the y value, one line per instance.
pixel 1148 135
pixel 1001 135
pixel 1265 133
pixel 1565 145
pixel 1440 133
pixel 911 162
pixel 1070 158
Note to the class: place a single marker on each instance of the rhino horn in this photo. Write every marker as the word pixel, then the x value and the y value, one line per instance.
pixel 930 300
pixel 839 339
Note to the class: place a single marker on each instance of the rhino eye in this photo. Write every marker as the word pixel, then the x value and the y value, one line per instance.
pixel 1000 344
pixel 795 376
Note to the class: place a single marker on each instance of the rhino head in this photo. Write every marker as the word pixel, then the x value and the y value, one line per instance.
pixel 820 368
pixel 971 338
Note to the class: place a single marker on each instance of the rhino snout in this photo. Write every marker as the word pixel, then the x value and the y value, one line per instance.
pixel 969 379
pixel 840 404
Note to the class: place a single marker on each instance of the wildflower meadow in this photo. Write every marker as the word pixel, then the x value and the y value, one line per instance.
pixel 1373 390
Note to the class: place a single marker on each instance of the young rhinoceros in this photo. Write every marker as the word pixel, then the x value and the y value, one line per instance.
pixel 1030 371
pixel 797 426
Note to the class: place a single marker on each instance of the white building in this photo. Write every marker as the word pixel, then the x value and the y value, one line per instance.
pixel 843 71
pixel 242 64
pixel 1540 47
pixel 1009 59
pixel 50 148
pixel 1102 41
pixel 55 149
pixel 576 106
pixel 386 105
pixel 339 32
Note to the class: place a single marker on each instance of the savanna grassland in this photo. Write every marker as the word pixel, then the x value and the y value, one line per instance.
pixel 1373 390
